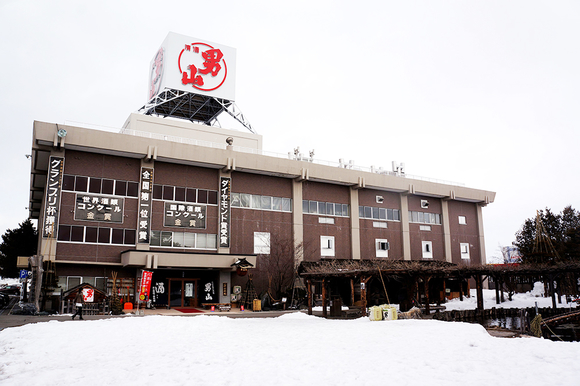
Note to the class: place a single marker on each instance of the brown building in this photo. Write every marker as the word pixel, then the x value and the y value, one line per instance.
pixel 172 197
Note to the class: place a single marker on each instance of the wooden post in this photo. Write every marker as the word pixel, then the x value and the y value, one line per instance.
pixel 479 290
pixel 324 312
pixel 496 281
pixel 501 281
pixel 363 294
pixel 551 289
pixel 352 292
pixel 461 288
pixel 309 287
pixel 426 280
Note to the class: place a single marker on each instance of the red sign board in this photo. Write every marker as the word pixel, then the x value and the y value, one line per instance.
pixel 145 285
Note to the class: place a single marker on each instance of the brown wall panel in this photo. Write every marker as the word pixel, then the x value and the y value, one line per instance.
pixel 317 191
pixel 185 176
pixel 262 185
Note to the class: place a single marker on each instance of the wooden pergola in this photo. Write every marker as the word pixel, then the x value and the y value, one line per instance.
pixel 420 273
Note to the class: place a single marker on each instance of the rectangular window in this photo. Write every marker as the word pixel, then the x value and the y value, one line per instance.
pixel 330 209
pixel 95 185
pixel 68 182
pixel 178 239
pixel 73 281
pixel 180 194
pixel 266 202
pixel 90 234
pixel 338 209
pixel 77 233
pixel 313 207
pixel 246 200
pixel 202 196
pixel 462 220
pixel 121 188
pixel 168 193
pixel 236 200
pixel 107 186
pixel 212 197
pixel 104 235
pixel 81 184
pixel 63 233
pixel 327 246
pixel 212 241
pixel 375 213
pixel 189 240
pixel 277 204
pixel 322 207
pixel 132 189
pixel 256 201
pixel 190 195
pixel 382 247
pixel 345 211
pixel 155 238
pixel 379 224
pixel 464 247
pixel 101 283
pixel 427 249
pixel 262 243
pixel 305 206
pixel 166 239
pixel 201 241
pixel 383 213
pixel 286 205
pixel 130 235
pixel 368 212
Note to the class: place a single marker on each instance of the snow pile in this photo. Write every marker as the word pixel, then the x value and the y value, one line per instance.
pixel 523 300
pixel 293 349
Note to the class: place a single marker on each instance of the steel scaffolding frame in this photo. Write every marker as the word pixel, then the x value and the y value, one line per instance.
pixel 193 107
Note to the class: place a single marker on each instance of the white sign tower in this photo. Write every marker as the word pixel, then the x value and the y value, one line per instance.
pixel 193 79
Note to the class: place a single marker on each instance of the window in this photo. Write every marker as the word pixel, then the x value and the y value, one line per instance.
pixel 427 249
pixel 425 218
pixel 262 243
pixel 327 246
pixel 325 208
pixel 375 213
pixel 182 240
pixel 462 220
pixel 382 247
pixel 379 224
pixel 464 247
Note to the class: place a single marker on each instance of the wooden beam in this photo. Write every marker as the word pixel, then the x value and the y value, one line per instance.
pixel 352 292
pixel 363 293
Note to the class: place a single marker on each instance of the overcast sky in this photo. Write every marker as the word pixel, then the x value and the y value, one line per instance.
pixel 479 92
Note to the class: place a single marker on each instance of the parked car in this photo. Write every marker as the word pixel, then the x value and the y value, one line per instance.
pixel 4 300
pixel 10 289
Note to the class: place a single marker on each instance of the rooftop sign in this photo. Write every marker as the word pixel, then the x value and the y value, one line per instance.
pixel 193 65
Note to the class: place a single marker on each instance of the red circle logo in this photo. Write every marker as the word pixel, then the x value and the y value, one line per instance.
pixel 202 66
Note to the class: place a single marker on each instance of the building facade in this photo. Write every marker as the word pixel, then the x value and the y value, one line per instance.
pixel 188 201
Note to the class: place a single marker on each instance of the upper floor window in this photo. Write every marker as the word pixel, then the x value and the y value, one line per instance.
pixel 375 213
pixel 325 208
pixel 425 218
pixel 427 247
pixel 462 220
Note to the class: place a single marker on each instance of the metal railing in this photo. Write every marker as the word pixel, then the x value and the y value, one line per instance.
pixel 290 155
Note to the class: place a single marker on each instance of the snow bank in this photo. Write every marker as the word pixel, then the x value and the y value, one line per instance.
pixel 290 350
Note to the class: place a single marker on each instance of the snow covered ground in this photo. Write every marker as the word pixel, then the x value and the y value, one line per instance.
pixel 294 349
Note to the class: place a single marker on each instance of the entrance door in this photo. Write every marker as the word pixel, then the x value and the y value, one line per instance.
pixel 183 293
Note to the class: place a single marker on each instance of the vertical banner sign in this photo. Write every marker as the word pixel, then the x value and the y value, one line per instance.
pixel 225 210
pixel 145 285
pixel 144 221
pixel 52 201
